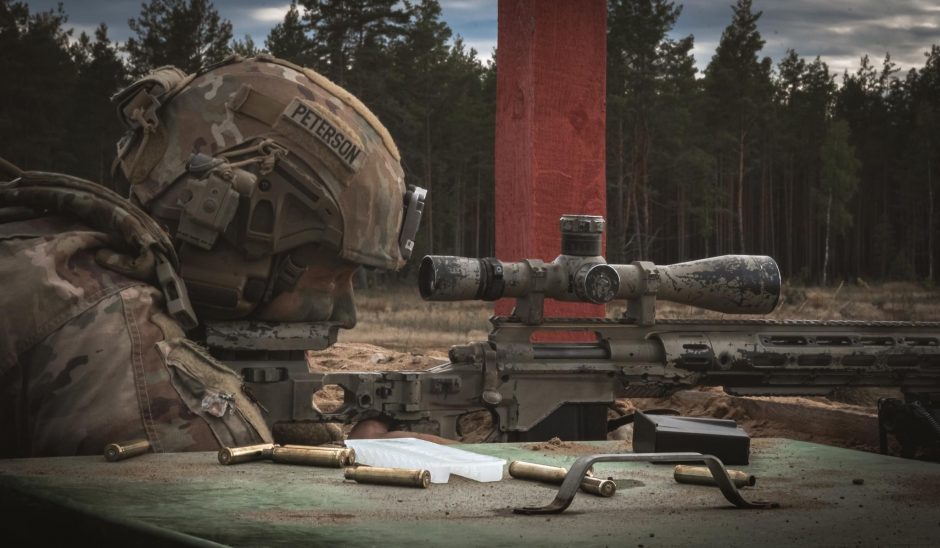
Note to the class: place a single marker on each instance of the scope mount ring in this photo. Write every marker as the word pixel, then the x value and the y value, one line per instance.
pixel 569 487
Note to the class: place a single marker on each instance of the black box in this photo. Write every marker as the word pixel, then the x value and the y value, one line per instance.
pixel 671 434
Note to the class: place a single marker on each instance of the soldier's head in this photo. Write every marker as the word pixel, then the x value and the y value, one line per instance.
pixel 275 183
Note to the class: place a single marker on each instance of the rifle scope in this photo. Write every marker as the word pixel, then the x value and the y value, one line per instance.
pixel 732 284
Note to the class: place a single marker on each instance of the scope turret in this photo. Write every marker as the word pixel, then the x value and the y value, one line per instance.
pixel 732 284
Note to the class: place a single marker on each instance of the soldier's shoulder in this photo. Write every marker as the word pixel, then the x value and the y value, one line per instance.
pixel 51 276
pixel 22 223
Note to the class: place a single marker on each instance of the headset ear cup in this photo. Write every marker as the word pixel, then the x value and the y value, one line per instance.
pixel 287 273
pixel 222 283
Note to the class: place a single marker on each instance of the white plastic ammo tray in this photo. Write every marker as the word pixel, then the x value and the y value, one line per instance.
pixel 440 460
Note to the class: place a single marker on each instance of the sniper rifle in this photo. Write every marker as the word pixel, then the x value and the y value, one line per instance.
pixel 535 385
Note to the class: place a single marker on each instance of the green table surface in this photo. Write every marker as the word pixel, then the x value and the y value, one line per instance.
pixel 189 497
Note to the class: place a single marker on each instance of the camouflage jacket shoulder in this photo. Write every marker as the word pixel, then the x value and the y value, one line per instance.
pixel 94 354
pixel 52 277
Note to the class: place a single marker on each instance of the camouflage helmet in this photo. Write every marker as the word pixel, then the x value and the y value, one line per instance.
pixel 265 157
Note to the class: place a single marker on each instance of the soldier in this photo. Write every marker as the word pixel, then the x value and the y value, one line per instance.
pixel 257 188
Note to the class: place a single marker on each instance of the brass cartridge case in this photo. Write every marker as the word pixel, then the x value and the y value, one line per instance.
pixel 348 454
pixel 125 449
pixel 309 457
pixel 248 453
pixel 389 476
pixel 554 474
pixel 700 475
pixel 538 472
pixel 599 486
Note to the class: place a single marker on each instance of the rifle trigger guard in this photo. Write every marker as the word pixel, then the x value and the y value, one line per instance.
pixel 579 469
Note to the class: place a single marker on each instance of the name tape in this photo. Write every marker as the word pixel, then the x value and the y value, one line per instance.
pixel 337 138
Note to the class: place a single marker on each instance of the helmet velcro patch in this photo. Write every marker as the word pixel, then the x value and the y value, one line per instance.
pixel 328 130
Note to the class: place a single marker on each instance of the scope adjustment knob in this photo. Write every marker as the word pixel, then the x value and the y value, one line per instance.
pixel 597 283
pixel 581 235
pixel 582 224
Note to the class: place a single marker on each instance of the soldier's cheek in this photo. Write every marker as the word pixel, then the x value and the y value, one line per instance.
pixel 344 310
pixel 304 305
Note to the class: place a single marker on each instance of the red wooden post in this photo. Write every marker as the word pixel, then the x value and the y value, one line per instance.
pixel 550 110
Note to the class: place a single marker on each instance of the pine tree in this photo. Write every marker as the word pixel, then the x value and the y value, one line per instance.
pixel 93 129
pixel 862 101
pixel 422 82
pixel 804 96
pixel 921 95
pixel 838 181
pixel 288 39
pixel 37 55
pixel 246 47
pixel 187 34
pixel 342 28
pixel 650 81
pixel 737 85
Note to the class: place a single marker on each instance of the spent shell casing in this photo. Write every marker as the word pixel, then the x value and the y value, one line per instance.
pixel 309 457
pixel 599 486
pixel 348 453
pixel 538 472
pixel 556 475
pixel 701 475
pixel 125 449
pixel 389 476
pixel 247 453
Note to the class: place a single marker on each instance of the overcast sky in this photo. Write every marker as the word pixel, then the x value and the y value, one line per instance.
pixel 839 31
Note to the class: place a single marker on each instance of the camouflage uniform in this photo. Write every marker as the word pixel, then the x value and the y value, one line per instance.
pixel 300 174
pixel 87 354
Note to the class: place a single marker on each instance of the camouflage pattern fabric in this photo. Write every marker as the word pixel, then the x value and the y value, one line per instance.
pixel 88 356
pixel 346 149
pixel 134 231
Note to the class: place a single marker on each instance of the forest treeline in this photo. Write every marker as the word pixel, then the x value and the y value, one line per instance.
pixel 831 174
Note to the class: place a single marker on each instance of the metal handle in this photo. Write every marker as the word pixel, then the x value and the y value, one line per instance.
pixel 576 473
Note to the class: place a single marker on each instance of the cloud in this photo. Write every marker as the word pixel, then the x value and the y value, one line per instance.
pixel 469 5
pixel 270 15
pixel 840 32
pixel 703 51
pixel 472 19
pixel 484 48
pixel 77 31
